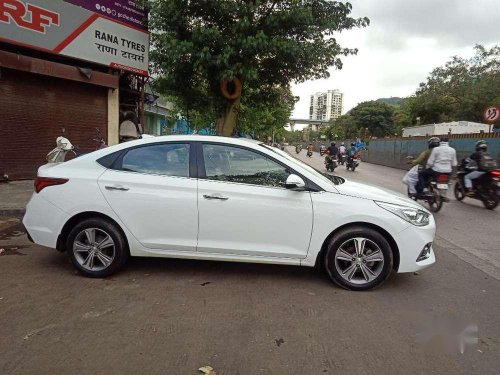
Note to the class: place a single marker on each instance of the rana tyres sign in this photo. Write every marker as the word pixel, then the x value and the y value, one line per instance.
pixel 62 28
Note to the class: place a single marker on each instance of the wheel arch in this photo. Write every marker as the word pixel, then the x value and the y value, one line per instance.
pixel 61 239
pixel 394 246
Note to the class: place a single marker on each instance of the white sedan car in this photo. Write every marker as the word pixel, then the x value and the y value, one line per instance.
pixel 227 199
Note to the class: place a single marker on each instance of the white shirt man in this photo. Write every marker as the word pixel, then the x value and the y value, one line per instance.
pixel 342 149
pixel 442 159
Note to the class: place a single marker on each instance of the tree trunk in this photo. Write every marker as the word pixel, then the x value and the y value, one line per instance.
pixel 227 122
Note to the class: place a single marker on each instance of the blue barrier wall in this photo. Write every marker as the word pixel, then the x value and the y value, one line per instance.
pixel 393 152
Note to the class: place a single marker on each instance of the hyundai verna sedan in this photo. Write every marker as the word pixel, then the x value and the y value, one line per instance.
pixel 223 199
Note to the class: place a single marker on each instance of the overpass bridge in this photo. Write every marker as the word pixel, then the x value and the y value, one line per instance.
pixel 313 124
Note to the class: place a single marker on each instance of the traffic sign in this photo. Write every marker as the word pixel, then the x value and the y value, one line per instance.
pixel 491 114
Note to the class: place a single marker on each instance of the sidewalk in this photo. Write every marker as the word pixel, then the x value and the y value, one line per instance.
pixel 14 196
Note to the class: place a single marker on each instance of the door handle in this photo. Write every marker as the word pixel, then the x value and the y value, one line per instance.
pixel 117 187
pixel 215 196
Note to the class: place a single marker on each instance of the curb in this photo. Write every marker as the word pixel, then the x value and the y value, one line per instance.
pixel 13 212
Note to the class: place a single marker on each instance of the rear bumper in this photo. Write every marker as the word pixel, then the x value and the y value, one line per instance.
pixel 411 242
pixel 43 221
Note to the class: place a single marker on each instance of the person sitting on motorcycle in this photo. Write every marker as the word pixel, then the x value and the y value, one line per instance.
pixel 342 149
pixel 310 148
pixel 441 160
pixel 332 150
pixel 478 157
pixel 421 161
pixel 353 150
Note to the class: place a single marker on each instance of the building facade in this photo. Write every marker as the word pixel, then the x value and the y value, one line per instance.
pixel 325 106
pixel 453 127
pixel 67 67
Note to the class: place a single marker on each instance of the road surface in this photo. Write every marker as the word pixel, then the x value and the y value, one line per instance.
pixel 161 316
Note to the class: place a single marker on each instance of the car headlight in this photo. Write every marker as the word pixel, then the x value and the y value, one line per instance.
pixel 412 215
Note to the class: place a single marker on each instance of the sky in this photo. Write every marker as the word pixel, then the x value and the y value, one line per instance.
pixel 406 39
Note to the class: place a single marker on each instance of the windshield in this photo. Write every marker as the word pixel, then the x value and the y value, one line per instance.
pixel 324 176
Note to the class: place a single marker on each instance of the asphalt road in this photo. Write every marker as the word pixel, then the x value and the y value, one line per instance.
pixel 161 316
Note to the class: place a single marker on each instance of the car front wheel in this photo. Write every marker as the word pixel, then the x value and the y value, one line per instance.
pixel 358 258
pixel 97 248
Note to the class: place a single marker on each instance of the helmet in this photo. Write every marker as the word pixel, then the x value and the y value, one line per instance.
pixel 433 142
pixel 342 144
pixel 481 145
pixel 333 143
pixel 353 144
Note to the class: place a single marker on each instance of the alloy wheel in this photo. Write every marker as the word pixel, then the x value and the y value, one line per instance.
pixel 359 260
pixel 94 249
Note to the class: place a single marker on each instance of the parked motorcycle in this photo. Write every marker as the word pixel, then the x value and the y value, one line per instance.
pixel 485 188
pixel 58 154
pixel 352 162
pixel 99 139
pixel 331 163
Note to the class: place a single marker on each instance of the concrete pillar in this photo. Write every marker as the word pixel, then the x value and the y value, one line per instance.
pixel 113 117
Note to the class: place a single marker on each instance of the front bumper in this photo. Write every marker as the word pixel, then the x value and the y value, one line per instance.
pixel 411 242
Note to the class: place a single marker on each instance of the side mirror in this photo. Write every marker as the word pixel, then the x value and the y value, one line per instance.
pixel 295 182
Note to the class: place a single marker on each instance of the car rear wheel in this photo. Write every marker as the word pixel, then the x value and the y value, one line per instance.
pixel 97 248
pixel 358 258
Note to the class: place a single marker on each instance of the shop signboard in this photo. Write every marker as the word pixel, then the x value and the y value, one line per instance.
pixel 61 27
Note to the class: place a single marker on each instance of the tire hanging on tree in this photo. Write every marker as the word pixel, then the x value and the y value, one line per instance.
pixel 224 88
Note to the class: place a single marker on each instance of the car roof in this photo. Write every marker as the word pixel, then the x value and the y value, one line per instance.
pixel 195 137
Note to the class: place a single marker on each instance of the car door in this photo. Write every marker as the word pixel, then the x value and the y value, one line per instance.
pixel 151 189
pixel 244 208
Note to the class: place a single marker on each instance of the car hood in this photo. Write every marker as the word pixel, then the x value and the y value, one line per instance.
pixel 376 193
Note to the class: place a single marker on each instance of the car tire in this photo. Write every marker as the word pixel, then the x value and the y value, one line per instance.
pixel 376 256
pixel 97 247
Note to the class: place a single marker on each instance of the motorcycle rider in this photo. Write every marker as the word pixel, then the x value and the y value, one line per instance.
pixel 310 148
pixel 331 153
pixel 333 150
pixel 353 150
pixel 342 149
pixel 478 156
pixel 441 160
pixel 421 160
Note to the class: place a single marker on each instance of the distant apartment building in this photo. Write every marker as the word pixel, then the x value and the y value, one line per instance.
pixel 326 105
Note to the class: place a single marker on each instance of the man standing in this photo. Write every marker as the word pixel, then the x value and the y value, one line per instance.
pixel 441 160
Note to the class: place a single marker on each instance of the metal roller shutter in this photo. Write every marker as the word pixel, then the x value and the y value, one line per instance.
pixel 34 108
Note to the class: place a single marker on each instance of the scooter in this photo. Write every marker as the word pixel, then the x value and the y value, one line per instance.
pixel 309 153
pixel 298 148
pixel 63 146
pixel 485 188
pixel 331 163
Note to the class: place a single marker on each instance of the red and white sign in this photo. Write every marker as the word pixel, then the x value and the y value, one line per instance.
pixel 491 114
pixel 59 27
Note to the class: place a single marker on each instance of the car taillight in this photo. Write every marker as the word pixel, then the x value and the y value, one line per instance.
pixel 43 182
pixel 496 173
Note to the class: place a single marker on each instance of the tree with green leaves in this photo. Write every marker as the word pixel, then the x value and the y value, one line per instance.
pixel 461 89
pixel 374 116
pixel 199 47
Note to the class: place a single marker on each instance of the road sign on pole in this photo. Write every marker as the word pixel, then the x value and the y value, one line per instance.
pixel 491 114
